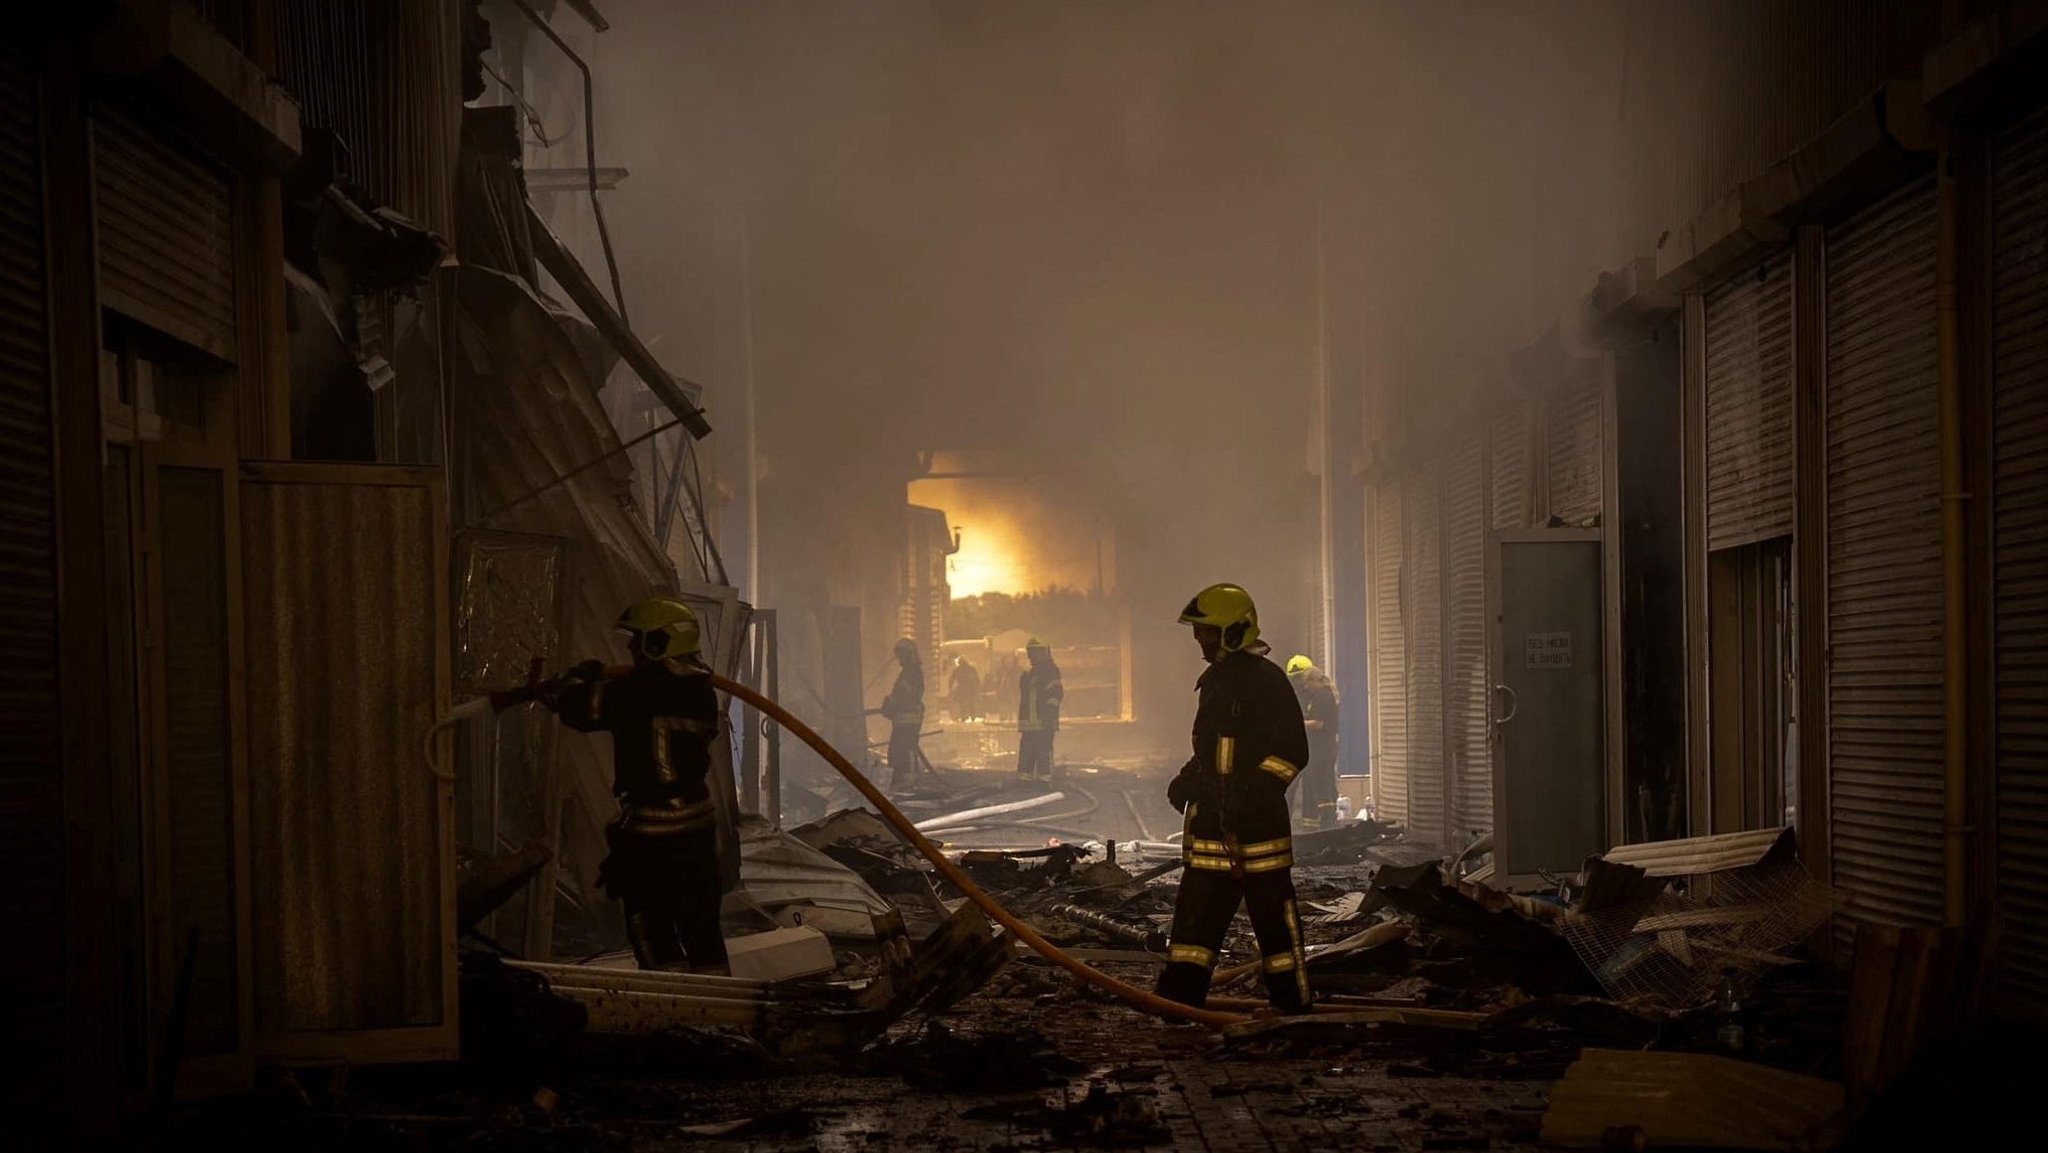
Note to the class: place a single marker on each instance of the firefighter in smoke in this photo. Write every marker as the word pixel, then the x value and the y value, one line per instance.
pixel 1317 695
pixel 903 708
pixel 1039 695
pixel 965 690
pixel 663 716
pixel 1236 842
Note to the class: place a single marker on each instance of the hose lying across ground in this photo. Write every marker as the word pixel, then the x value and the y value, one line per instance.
pixel 1130 994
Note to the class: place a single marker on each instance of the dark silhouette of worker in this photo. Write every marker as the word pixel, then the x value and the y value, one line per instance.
pixel 903 708
pixel 1039 696
pixel 965 690
pixel 663 716
pixel 1237 843
pixel 1317 694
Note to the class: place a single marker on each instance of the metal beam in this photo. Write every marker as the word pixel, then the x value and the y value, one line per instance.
pixel 572 179
pixel 566 269
pixel 588 10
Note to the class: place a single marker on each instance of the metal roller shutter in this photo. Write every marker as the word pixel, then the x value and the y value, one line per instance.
pixel 31 763
pixel 1465 676
pixel 1572 462
pixel 1749 407
pixel 1389 646
pixel 1426 793
pixel 2019 534
pixel 165 233
pixel 1507 437
pixel 1884 677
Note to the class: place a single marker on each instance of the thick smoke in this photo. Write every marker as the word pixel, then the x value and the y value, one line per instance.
pixel 1110 236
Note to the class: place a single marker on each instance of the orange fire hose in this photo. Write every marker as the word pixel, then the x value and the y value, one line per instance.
pixel 1130 994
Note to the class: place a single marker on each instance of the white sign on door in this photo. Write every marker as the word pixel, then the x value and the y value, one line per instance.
pixel 1547 651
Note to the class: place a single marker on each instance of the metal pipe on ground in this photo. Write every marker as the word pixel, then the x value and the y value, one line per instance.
pixel 934 824
pixel 643 980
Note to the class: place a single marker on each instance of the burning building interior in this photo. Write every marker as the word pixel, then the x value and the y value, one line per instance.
pixel 1381 574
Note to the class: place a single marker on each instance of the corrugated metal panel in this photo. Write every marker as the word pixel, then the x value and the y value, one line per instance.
pixel 1389 646
pixel 1465 678
pixel 198 757
pixel 350 874
pixel 1573 463
pixel 166 236
pixel 385 79
pixel 1427 800
pixel 1884 562
pixel 1508 469
pixel 31 760
pixel 2019 528
pixel 1749 407
pixel 1694 855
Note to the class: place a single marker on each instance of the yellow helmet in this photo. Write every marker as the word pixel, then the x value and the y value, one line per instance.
pixel 663 627
pixel 1298 664
pixel 1227 607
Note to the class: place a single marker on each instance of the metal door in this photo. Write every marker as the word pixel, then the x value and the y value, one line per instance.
pixel 1466 679
pixel 1389 686
pixel 352 834
pixel 1549 756
pixel 1884 581
pixel 194 788
pixel 2019 559
pixel 1427 796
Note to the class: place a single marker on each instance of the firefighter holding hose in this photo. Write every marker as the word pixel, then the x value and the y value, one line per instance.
pixel 1250 744
pixel 663 716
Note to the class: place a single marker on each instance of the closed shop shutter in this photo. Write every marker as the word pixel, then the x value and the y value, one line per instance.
pixel 2019 520
pixel 31 776
pixel 1572 457
pixel 1507 436
pixel 165 235
pixel 1426 793
pixel 1749 407
pixel 1465 675
pixel 1884 608
pixel 1389 647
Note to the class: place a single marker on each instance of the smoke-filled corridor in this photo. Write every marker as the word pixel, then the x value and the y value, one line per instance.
pixel 912 574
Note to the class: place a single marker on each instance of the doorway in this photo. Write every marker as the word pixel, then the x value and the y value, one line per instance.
pixel 1753 732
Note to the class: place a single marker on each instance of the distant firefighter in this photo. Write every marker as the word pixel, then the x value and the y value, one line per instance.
pixel 1318 697
pixel 965 690
pixel 903 708
pixel 1039 695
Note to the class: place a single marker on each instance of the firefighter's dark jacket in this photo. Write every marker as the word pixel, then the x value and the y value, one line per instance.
pixel 1040 693
pixel 1319 703
pixel 1249 746
pixel 662 717
pixel 905 703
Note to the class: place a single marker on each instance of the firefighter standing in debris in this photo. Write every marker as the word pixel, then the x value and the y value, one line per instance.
pixel 966 690
pixel 903 708
pixel 1317 695
pixel 663 716
pixel 1039 696
pixel 1249 746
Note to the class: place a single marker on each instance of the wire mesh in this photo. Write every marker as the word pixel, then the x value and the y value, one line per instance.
pixel 1672 950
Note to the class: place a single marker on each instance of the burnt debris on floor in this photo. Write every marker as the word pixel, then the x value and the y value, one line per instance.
pixel 1452 1014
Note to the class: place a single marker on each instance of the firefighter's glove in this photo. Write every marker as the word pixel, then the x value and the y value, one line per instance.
pixel 1192 786
pixel 589 671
